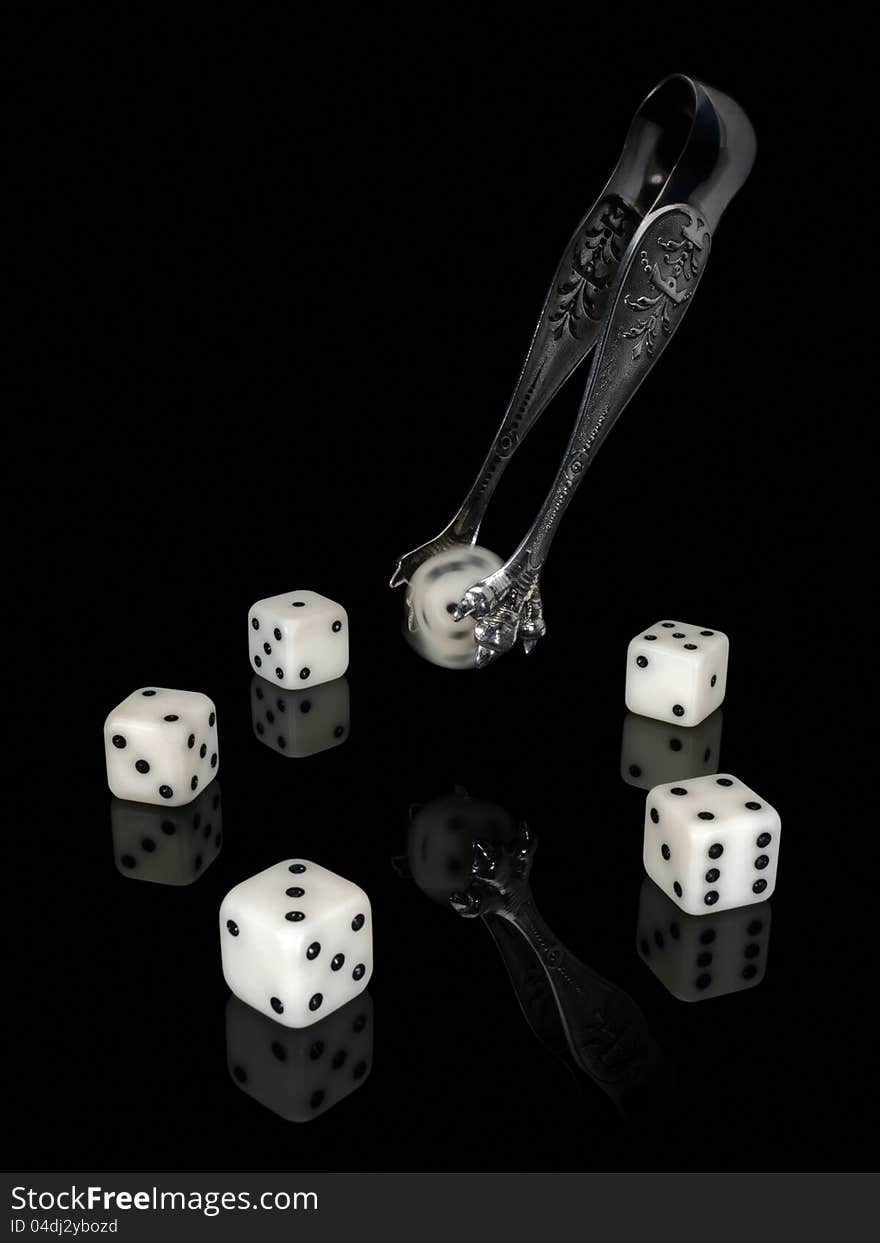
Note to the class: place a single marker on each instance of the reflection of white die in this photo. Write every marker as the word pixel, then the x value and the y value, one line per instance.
pixel 711 842
pixel 168 845
pixel 298 639
pixel 653 752
pixel 699 956
pixel 300 723
pixel 300 1074
pixel 161 746
pixel 296 941
pixel 676 672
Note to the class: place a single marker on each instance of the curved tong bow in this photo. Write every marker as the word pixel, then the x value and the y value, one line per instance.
pixel 625 281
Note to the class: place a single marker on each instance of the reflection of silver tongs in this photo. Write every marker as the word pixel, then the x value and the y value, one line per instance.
pixel 473 857
pixel 628 275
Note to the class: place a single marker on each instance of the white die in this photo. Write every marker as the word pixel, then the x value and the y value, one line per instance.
pixel 300 723
pixel 161 746
pixel 652 752
pixel 300 1074
pixel 296 941
pixel 298 639
pixel 711 843
pixel 167 845
pixel 696 957
pixel 431 595
pixel 676 672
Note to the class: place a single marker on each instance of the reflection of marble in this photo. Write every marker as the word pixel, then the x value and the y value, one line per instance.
pixel 431 595
pixel 168 845
pixel 300 723
pixel 477 859
pixel 653 753
pixel 700 956
pixel 300 1074
pixel 440 843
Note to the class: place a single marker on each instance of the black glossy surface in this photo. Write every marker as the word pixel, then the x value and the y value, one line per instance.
pixel 299 321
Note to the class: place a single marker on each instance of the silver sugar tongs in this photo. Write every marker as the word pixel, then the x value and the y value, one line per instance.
pixel 627 277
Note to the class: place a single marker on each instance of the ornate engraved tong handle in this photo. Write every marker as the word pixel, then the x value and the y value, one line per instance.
pixel 567 330
pixel 654 288
pixel 667 259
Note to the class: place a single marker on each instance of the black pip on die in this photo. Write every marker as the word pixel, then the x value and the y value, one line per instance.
pixel 676 672
pixel 298 639
pixel 161 746
pixel 711 843
pixel 296 941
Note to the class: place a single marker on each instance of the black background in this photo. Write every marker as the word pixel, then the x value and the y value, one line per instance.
pixel 284 282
